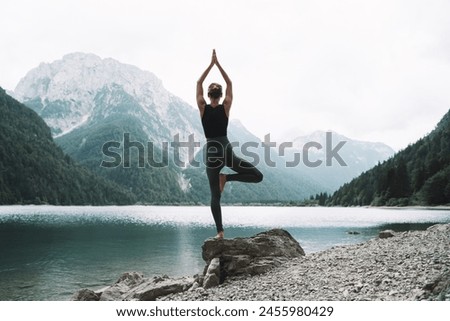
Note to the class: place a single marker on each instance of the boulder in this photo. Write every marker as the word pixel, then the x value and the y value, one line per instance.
pixel 85 295
pixel 439 288
pixel 248 256
pixel 386 234
pixel 152 289
pixel 272 243
pixel 123 285
pixel 134 287
pixel 212 275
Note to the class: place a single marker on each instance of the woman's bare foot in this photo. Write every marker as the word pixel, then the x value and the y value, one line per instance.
pixel 220 235
pixel 222 181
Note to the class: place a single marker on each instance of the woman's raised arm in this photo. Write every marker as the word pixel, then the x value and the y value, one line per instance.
pixel 229 90
pixel 201 102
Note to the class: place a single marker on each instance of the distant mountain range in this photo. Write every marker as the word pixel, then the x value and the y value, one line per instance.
pixel 88 101
pixel 352 157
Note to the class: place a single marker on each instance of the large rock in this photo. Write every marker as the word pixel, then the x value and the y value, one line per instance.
pixel 122 287
pixel 252 255
pixel 439 288
pixel 132 286
pixel 85 295
pixel 152 289
pixel 386 234
pixel 212 275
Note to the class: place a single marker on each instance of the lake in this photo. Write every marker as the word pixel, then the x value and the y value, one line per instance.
pixel 49 252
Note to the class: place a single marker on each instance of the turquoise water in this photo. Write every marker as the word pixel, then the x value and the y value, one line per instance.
pixel 49 252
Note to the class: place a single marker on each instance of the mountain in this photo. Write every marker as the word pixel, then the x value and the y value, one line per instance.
pixel 417 175
pixel 88 102
pixel 101 111
pixel 33 169
pixel 349 159
pixel 83 89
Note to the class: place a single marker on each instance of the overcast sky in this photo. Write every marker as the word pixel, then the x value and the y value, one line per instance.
pixel 371 70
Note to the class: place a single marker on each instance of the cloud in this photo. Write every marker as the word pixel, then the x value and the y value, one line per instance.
pixel 371 70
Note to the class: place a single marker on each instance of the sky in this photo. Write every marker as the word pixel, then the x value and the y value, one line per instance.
pixel 370 70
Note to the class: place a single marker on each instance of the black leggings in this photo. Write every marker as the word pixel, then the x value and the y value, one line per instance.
pixel 219 153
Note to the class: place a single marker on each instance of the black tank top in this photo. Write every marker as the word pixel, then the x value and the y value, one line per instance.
pixel 214 121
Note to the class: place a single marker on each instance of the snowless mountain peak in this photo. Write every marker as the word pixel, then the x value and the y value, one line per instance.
pixel 82 70
pixel 63 92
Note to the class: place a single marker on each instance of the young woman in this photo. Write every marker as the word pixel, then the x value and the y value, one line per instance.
pixel 219 151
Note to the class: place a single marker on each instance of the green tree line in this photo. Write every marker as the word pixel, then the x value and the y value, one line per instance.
pixel 417 175
pixel 34 170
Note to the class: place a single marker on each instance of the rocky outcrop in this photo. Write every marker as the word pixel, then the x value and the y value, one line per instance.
pixel 223 257
pixel 157 287
pixel 133 286
pixel 247 256
pixel 122 287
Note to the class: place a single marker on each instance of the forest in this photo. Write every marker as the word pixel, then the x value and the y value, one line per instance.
pixel 34 170
pixel 417 175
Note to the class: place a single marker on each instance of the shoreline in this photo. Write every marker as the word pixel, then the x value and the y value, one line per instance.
pixel 415 207
pixel 413 265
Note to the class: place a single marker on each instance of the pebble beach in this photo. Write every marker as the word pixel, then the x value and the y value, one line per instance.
pixel 412 265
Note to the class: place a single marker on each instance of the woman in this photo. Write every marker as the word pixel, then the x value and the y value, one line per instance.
pixel 219 151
